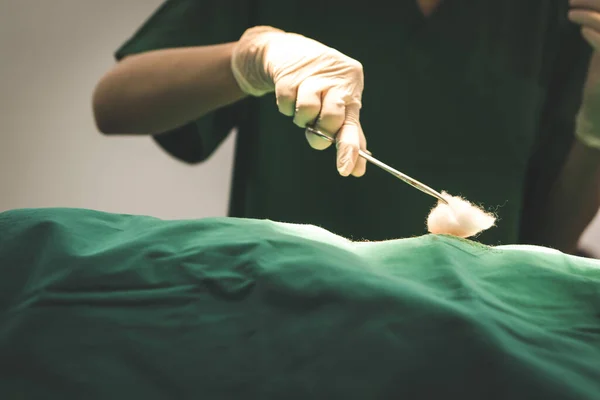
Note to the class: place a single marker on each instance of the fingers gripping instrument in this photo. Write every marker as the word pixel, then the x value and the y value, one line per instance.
pixel 403 177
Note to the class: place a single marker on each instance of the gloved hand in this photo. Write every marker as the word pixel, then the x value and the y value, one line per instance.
pixel 587 14
pixel 312 82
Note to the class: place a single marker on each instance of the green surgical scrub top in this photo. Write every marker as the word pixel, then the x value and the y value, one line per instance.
pixel 478 100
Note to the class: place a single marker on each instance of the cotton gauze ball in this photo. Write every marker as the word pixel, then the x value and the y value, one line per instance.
pixel 458 217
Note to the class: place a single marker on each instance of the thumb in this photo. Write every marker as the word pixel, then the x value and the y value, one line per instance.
pixel 348 140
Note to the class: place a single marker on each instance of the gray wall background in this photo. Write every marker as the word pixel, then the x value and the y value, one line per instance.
pixel 52 53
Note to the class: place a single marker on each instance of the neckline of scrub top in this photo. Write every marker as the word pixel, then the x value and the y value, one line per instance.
pixel 433 10
pixel 444 27
pixel 423 20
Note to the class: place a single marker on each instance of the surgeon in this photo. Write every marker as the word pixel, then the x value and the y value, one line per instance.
pixel 496 101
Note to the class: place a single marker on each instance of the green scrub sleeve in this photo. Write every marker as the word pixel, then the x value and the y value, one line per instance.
pixel 185 23
pixel 557 126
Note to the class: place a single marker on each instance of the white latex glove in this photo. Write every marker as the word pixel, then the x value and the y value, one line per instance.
pixel 310 81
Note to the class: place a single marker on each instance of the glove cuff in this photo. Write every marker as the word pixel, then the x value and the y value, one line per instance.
pixel 586 132
pixel 589 140
pixel 248 61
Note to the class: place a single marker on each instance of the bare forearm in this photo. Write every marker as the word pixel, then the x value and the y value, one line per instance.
pixel 160 90
pixel 573 201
